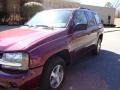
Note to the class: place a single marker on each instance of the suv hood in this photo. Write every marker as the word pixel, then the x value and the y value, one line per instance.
pixel 23 37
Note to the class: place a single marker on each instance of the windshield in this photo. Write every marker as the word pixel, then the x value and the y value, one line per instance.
pixel 51 18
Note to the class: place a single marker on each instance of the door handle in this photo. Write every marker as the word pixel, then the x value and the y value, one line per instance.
pixel 88 33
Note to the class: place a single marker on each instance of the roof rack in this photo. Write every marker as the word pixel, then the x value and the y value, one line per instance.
pixel 84 8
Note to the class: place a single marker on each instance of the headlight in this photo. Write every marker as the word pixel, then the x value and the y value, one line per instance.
pixel 18 61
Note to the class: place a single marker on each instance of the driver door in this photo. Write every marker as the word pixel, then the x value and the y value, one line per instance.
pixel 80 38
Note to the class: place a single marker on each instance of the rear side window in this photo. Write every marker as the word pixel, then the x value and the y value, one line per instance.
pixel 98 20
pixel 91 19
pixel 80 18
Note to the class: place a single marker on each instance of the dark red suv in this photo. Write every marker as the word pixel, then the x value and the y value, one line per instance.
pixel 35 55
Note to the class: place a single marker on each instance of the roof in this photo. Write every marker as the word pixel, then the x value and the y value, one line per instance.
pixel 72 9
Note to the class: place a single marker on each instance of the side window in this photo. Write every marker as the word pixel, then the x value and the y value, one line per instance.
pixel 98 20
pixel 80 18
pixel 91 19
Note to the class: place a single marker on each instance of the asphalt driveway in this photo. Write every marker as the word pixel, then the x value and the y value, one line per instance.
pixel 100 72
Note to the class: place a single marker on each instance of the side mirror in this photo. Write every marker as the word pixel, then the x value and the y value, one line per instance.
pixel 80 27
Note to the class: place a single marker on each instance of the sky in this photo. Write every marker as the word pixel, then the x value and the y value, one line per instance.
pixel 95 2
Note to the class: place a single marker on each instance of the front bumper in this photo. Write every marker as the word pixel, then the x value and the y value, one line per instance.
pixel 25 81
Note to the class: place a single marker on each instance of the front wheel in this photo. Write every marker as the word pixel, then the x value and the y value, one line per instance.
pixel 53 74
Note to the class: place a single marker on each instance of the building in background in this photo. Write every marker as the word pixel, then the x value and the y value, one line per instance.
pixel 10 10
pixel 48 4
pixel 107 14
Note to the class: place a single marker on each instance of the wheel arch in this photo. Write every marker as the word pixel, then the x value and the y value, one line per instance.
pixel 101 36
pixel 64 54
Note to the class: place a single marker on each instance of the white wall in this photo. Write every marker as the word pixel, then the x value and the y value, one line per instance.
pixel 103 12
pixel 60 4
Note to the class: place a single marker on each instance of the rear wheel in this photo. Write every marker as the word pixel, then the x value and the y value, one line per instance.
pixel 98 47
pixel 53 74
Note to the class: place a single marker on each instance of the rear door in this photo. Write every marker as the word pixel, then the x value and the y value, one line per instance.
pixel 99 23
pixel 92 28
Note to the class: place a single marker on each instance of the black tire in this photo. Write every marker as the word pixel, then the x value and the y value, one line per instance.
pixel 96 51
pixel 47 73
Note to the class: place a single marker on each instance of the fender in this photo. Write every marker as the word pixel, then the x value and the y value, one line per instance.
pixel 41 53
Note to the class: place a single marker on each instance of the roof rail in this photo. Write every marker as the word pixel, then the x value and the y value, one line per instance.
pixel 84 8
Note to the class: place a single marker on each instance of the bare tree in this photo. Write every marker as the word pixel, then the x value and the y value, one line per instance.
pixel 117 4
pixel 109 5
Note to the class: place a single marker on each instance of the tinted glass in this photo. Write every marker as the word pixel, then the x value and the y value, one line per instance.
pixel 91 19
pixel 52 18
pixel 80 18
pixel 98 20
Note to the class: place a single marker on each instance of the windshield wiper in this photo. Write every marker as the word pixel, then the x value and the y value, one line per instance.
pixel 45 26
pixel 28 25
pixel 42 26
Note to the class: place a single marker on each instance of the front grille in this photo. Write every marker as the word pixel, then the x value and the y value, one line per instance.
pixel 1 54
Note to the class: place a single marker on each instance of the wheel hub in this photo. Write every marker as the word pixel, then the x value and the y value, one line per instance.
pixel 56 76
pixel 99 46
